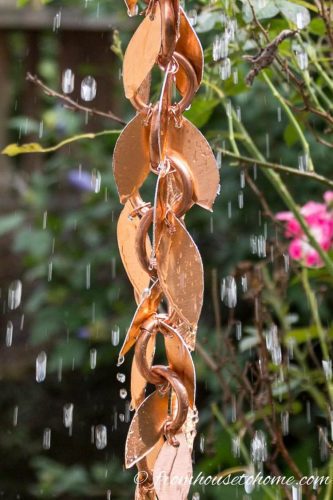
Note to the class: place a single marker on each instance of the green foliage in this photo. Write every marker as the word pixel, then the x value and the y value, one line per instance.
pixel 76 291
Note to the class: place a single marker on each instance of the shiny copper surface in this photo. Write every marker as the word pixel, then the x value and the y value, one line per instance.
pixel 159 255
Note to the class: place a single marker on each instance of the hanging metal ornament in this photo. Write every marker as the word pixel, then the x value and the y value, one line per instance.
pixel 159 255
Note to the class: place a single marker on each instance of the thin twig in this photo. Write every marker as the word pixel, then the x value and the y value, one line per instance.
pixel 266 56
pixel 261 197
pixel 70 103
pixel 279 168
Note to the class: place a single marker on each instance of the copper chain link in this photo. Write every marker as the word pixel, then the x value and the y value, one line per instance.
pixel 159 255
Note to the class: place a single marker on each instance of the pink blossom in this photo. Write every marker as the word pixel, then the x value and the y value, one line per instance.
pixel 328 197
pixel 319 217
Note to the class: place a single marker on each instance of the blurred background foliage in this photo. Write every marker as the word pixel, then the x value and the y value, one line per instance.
pixel 58 234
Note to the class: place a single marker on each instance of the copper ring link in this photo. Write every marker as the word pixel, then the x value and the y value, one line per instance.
pixel 179 107
pixel 141 238
pixel 173 425
pixel 159 375
pixel 180 208
pixel 186 200
pixel 158 124
pixel 169 32
pixel 147 330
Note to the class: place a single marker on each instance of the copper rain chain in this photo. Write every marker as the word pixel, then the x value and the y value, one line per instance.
pixel 159 255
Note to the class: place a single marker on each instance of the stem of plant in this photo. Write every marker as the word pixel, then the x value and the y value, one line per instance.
pixel 292 119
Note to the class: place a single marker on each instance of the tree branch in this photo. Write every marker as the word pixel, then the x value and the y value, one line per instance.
pixel 70 103
pixel 279 168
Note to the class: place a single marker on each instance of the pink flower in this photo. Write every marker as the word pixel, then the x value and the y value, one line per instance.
pixel 328 197
pixel 319 218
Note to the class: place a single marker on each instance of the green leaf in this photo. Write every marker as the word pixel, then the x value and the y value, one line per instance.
pixel 290 135
pixel 263 9
pixel 317 27
pixel 10 222
pixel 207 20
pixel 291 11
pixel 301 335
pixel 201 111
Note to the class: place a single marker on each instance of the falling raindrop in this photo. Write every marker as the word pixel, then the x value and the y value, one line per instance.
pixel 127 412
pixel 244 283
pixel 44 220
pixel 267 145
pixel 290 346
pixel 121 417
pixel 93 358
pixel 88 88
pixel 100 437
pixel 192 17
pixel 259 447
pixel 286 262
pixel 115 336
pixel 41 129
pixel 261 246
pixel 308 412
pixel 302 59
pixel 238 325
pixel 41 362
pixel 123 393
pixel 196 496
pixel 121 360
pixel 68 415
pixel 202 443
pixel 285 423
pixel 108 495
pixel 9 334
pixel 229 291
pixel 249 483
pixel 121 377
pixel 302 19
pixel 279 114
pixel 228 108
pixel 219 159
pixel 235 446
pixel 323 440
pixel 303 163
pixel 49 271
pixel 133 11
pixel 327 367
pixel 242 179
pixel 235 76
pixel 296 492
pixel 14 294
pixel 88 274
pixel 15 416
pixel 47 439
pixel 273 344
pixel 220 47
pixel 225 69
pixel 145 293
pixel 96 180
pixel 57 21
pixel 241 199
pixel 67 83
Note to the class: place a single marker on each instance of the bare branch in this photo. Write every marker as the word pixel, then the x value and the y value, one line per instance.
pixel 266 56
pixel 70 104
